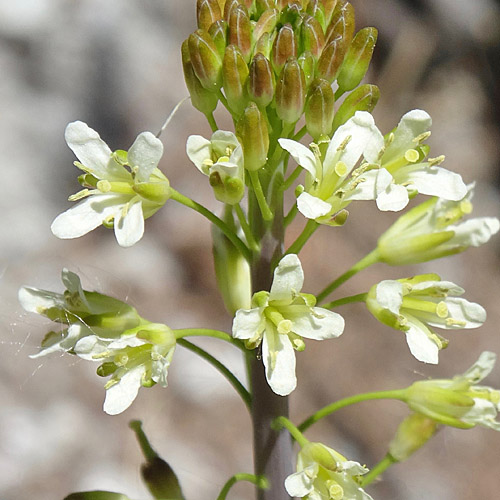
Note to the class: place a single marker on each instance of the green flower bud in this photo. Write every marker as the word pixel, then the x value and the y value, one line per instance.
pixel 323 456
pixel 284 46
pixel 205 59
pixel 262 6
pixel 342 23
pixel 307 63
pixel 413 432
pixel 228 8
pixel 358 59
pixel 329 7
pixel 292 13
pixel 240 31
pixel 320 109
pixel 291 92
pixel 234 79
pixel 252 133
pixel 266 24
pixel 202 99
pixel 364 98
pixel 157 192
pixel 218 33
pixel 312 38
pixel 157 333
pixel 261 81
pixel 264 45
pixel 331 59
pixel 207 12
pixel 315 8
pixel 96 495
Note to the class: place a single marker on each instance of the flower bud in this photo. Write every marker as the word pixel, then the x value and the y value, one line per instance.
pixel 234 79
pixel 315 8
pixel 240 31
pixel 264 45
pixel 331 59
pixel 342 23
pixel 319 109
pixel 207 12
pixel 262 6
pixel 266 24
pixel 311 36
pixel 218 33
pixel 291 92
pixel 228 8
pixel 307 63
pixel 357 59
pixel 261 81
pixel 202 99
pixel 96 495
pixel 284 46
pixel 364 98
pixel 329 8
pixel 252 133
pixel 205 59
pixel 413 432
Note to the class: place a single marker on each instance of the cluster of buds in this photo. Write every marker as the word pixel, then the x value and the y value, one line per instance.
pixel 279 58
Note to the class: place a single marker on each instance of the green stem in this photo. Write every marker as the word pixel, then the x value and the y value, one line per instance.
pixel 237 242
pixel 259 481
pixel 283 422
pixel 147 450
pixel 246 228
pixel 290 215
pixel 291 178
pixel 297 245
pixel 212 122
pixel 378 469
pixel 360 297
pixel 339 94
pixel 366 261
pixel 267 215
pixel 399 394
pixel 231 378
pixel 205 332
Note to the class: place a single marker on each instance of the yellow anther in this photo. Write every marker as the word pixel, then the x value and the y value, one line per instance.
pixel 229 151
pixel 422 137
pixel 108 220
pixel 436 161
pixel 466 207
pixel 442 310
pixel 121 359
pixel 223 159
pixel 110 383
pixel 344 143
pixel 455 322
pixel 298 344
pixel 104 186
pixel 340 168
pixel 412 155
pixel 78 196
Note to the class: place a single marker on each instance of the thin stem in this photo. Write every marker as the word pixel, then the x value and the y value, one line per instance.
pixel 291 178
pixel 259 481
pixel 188 202
pixel 366 261
pixel 147 450
pixel 267 215
pixel 399 394
pixel 212 122
pixel 290 215
pixel 246 228
pixel 378 469
pixel 231 378
pixel 360 297
pixel 205 332
pixel 283 422
pixel 297 245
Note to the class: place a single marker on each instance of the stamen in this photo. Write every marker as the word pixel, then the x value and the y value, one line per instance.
pixel 442 310
pixel 436 161
pixel 412 155
pixel 81 194
pixel 422 137
pixel 104 186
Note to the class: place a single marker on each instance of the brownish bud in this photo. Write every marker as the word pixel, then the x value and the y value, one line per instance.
pixel 315 9
pixel 307 63
pixel 320 109
pixel 311 36
pixel 261 81
pixel 331 59
pixel 234 79
pixel 364 98
pixel 357 59
pixel 205 59
pixel 291 92
pixel 284 46
pixel 264 45
pixel 218 33
pixel 342 23
pixel 207 12
pixel 266 23
pixel 329 7
pixel 228 8
pixel 240 31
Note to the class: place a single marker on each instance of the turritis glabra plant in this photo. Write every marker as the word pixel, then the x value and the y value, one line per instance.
pixel 283 70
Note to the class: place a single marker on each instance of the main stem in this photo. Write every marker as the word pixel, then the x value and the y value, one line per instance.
pixel 272 449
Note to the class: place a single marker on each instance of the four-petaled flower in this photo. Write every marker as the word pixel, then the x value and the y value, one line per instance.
pixel 415 304
pixel 279 319
pixel 121 189
pixel 459 402
pixel 324 474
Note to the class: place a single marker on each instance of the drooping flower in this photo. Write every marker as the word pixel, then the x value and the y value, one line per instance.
pixel 121 188
pixel 279 319
pixel 435 229
pixel 324 474
pixel 221 159
pixel 459 402
pixel 414 305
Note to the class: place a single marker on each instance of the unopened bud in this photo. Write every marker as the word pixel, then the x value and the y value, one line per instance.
pixel 261 80
pixel 342 23
pixel 364 98
pixel 96 495
pixel 320 109
pixel 262 6
pixel 307 63
pixel 264 45
pixel 218 33
pixel 357 59
pixel 291 92
pixel 329 7
pixel 157 192
pixel 207 12
pixel 331 59
pixel 266 24
pixel 253 135
pixel 240 30
pixel 284 46
pixel 228 8
pixel 312 38
pixel 315 8
pixel 205 59
pixel 292 13
pixel 234 79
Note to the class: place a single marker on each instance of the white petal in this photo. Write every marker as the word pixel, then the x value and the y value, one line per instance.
pixel 393 199
pixel 446 287
pixel 198 150
pixel 222 140
pixel 474 232
pixel 35 300
pixel 88 147
pixel 288 278
pixel 90 346
pixel 122 394
pixel 389 295
pixel 130 229
pixel 421 346
pixel 67 342
pixel 86 215
pixel 481 368
pixel 483 413
pixel 302 155
pixel 279 359
pixel 371 184
pixel 471 313
pixel 312 207
pixel 323 324
pixel 248 323
pixel 145 153
pixel 300 483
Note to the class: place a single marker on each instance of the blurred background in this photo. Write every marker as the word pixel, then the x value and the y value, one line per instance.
pixel 116 65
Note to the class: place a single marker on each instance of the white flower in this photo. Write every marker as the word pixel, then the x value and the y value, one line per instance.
pixel 324 474
pixel 121 189
pixel 279 319
pixel 221 159
pixel 434 229
pixel 459 402
pixel 415 304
